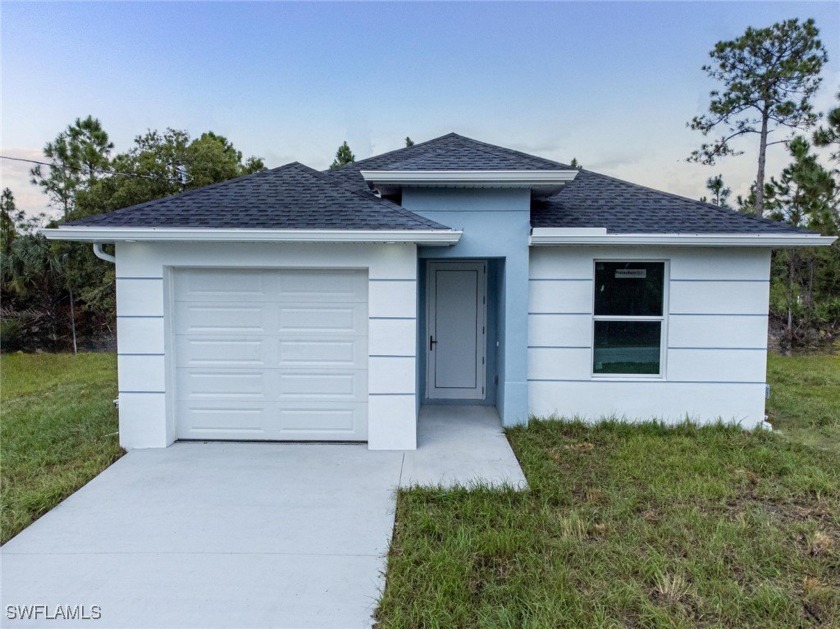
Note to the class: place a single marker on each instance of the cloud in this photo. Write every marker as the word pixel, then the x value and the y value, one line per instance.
pixel 826 98
pixel 611 162
pixel 15 176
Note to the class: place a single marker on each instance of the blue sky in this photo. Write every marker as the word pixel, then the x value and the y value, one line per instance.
pixel 612 84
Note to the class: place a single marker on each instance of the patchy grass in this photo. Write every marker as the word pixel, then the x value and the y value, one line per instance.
pixel 637 526
pixel 804 402
pixel 58 428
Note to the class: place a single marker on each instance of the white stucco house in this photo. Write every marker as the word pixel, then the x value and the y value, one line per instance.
pixel 302 305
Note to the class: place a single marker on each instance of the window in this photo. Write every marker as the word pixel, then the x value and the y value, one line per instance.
pixel 629 318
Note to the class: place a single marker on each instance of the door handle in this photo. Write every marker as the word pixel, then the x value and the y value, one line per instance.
pixel 432 343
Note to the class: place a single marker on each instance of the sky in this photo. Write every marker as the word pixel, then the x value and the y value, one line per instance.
pixel 611 84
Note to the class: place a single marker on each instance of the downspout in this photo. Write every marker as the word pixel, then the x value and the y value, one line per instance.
pixel 100 253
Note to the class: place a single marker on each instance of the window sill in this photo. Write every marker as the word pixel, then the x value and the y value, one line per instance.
pixel 627 378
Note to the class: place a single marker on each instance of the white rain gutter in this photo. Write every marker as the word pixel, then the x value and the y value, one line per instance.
pixel 471 178
pixel 184 234
pixel 599 236
pixel 99 252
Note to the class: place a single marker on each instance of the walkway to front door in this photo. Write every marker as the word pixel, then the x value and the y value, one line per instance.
pixel 461 445
pixel 242 534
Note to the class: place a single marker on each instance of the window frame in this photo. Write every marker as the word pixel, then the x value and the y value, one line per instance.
pixel 662 319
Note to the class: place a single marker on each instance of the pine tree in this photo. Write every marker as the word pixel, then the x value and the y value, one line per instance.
pixel 746 205
pixel 803 193
pixel 78 156
pixel 829 136
pixel 408 142
pixel 768 77
pixel 62 179
pixel 720 193
pixel 802 197
pixel 90 148
pixel 9 217
pixel 343 156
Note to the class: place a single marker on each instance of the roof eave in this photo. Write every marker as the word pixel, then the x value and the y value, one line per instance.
pixel 534 179
pixel 599 236
pixel 84 233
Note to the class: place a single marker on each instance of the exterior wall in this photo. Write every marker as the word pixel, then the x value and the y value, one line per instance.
pixel 496 225
pixel 144 318
pixel 715 337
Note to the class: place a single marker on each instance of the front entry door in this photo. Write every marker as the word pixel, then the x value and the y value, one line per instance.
pixel 456 335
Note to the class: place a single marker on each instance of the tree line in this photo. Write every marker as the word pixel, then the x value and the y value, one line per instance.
pixel 57 295
pixel 766 80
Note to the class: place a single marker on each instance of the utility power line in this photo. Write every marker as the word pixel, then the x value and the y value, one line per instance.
pixel 101 171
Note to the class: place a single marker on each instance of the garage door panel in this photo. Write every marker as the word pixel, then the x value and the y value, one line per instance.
pixel 222 285
pixel 255 352
pixel 321 286
pixel 219 318
pixel 270 318
pixel 222 421
pixel 339 354
pixel 327 318
pixel 267 286
pixel 293 386
pixel 264 354
pixel 260 421
pixel 272 384
pixel 248 352
pixel 217 383
pixel 346 421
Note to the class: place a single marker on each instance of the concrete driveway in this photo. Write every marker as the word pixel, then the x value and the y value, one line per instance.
pixel 236 534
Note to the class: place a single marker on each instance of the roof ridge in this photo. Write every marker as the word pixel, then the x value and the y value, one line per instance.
pixel 194 191
pixel 367 196
pixel 486 146
pixel 417 145
pixel 328 180
pixel 374 208
pixel 465 141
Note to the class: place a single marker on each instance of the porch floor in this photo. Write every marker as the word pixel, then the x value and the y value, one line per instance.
pixel 461 445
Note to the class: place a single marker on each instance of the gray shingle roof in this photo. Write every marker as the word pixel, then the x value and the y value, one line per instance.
pixel 297 197
pixel 591 200
pixel 293 196
pixel 448 152
pixel 594 200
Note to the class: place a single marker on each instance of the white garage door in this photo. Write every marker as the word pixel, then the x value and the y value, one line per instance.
pixel 268 354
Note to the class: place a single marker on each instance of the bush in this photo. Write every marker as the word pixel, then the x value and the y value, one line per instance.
pixel 812 327
pixel 11 334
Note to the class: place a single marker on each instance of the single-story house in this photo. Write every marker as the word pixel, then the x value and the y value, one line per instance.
pixel 294 304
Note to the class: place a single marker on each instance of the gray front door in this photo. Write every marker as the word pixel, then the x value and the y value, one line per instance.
pixel 456 335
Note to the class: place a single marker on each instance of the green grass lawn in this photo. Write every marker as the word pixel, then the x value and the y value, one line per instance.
pixel 623 525
pixel 639 526
pixel 805 398
pixel 58 429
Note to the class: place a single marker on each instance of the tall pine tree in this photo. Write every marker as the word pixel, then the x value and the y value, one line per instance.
pixel 78 157
pixel 768 77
